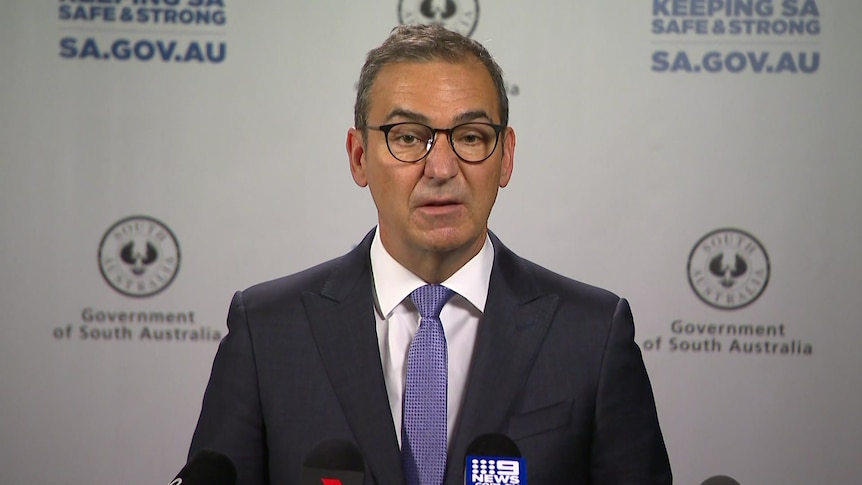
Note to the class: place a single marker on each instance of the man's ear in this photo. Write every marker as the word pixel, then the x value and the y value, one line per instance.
pixel 508 156
pixel 356 156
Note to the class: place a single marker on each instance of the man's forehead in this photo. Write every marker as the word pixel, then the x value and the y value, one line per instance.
pixel 472 63
pixel 394 88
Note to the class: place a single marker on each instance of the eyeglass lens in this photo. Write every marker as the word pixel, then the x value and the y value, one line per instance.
pixel 473 142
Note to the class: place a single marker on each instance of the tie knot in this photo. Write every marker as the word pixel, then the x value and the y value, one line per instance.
pixel 429 299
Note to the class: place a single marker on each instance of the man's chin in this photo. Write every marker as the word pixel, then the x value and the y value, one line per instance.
pixel 447 240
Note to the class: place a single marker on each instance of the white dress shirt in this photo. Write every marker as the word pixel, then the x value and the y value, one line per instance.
pixel 398 320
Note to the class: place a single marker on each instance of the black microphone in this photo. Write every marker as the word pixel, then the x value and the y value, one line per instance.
pixel 494 458
pixel 207 468
pixel 333 462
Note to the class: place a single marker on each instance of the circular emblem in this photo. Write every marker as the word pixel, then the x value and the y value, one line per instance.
pixel 139 256
pixel 457 15
pixel 728 269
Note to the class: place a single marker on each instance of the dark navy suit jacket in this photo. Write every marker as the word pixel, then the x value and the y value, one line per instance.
pixel 555 368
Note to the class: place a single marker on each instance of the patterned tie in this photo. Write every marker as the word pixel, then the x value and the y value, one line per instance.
pixel 423 427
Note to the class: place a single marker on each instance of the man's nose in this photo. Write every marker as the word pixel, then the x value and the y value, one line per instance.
pixel 441 161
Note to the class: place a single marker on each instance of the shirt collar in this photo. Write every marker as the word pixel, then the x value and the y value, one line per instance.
pixel 393 282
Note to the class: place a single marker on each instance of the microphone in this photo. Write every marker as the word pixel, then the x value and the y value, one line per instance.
pixel 207 468
pixel 333 462
pixel 494 458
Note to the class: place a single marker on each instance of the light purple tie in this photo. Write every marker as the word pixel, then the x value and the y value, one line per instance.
pixel 423 427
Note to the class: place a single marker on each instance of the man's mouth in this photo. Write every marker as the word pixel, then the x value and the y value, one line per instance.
pixel 439 206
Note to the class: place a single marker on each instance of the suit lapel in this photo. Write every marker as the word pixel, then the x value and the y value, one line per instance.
pixel 343 325
pixel 513 327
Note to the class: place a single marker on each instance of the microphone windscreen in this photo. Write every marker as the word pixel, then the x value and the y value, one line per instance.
pixel 337 454
pixel 335 462
pixel 494 458
pixel 207 468
pixel 494 444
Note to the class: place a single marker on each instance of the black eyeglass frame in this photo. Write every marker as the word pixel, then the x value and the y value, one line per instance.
pixel 388 127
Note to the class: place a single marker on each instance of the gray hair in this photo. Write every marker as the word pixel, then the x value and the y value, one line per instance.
pixel 421 43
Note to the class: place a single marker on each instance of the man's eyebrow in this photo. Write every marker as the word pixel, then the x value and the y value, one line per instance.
pixel 472 116
pixel 465 117
pixel 406 113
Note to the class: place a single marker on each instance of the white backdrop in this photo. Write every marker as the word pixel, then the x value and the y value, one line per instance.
pixel 642 127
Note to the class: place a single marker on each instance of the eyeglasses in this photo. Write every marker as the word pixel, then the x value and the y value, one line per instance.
pixel 411 142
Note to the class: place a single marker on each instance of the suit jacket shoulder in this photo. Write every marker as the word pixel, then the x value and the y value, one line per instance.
pixel 334 278
pixel 566 378
pixel 300 365
pixel 514 266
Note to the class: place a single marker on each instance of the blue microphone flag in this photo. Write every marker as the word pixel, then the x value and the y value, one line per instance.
pixel 481 470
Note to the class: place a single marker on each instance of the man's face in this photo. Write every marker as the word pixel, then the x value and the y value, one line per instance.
pixel 440 205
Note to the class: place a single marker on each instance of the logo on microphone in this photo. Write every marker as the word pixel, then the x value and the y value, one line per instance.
pixel 495 470
pixel 139 256
pixel 457 15
pixel 728 269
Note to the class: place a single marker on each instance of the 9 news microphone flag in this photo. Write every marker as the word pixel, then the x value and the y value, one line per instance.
pixel 494 458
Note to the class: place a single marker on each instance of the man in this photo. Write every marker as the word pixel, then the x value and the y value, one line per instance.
pixel 332 352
